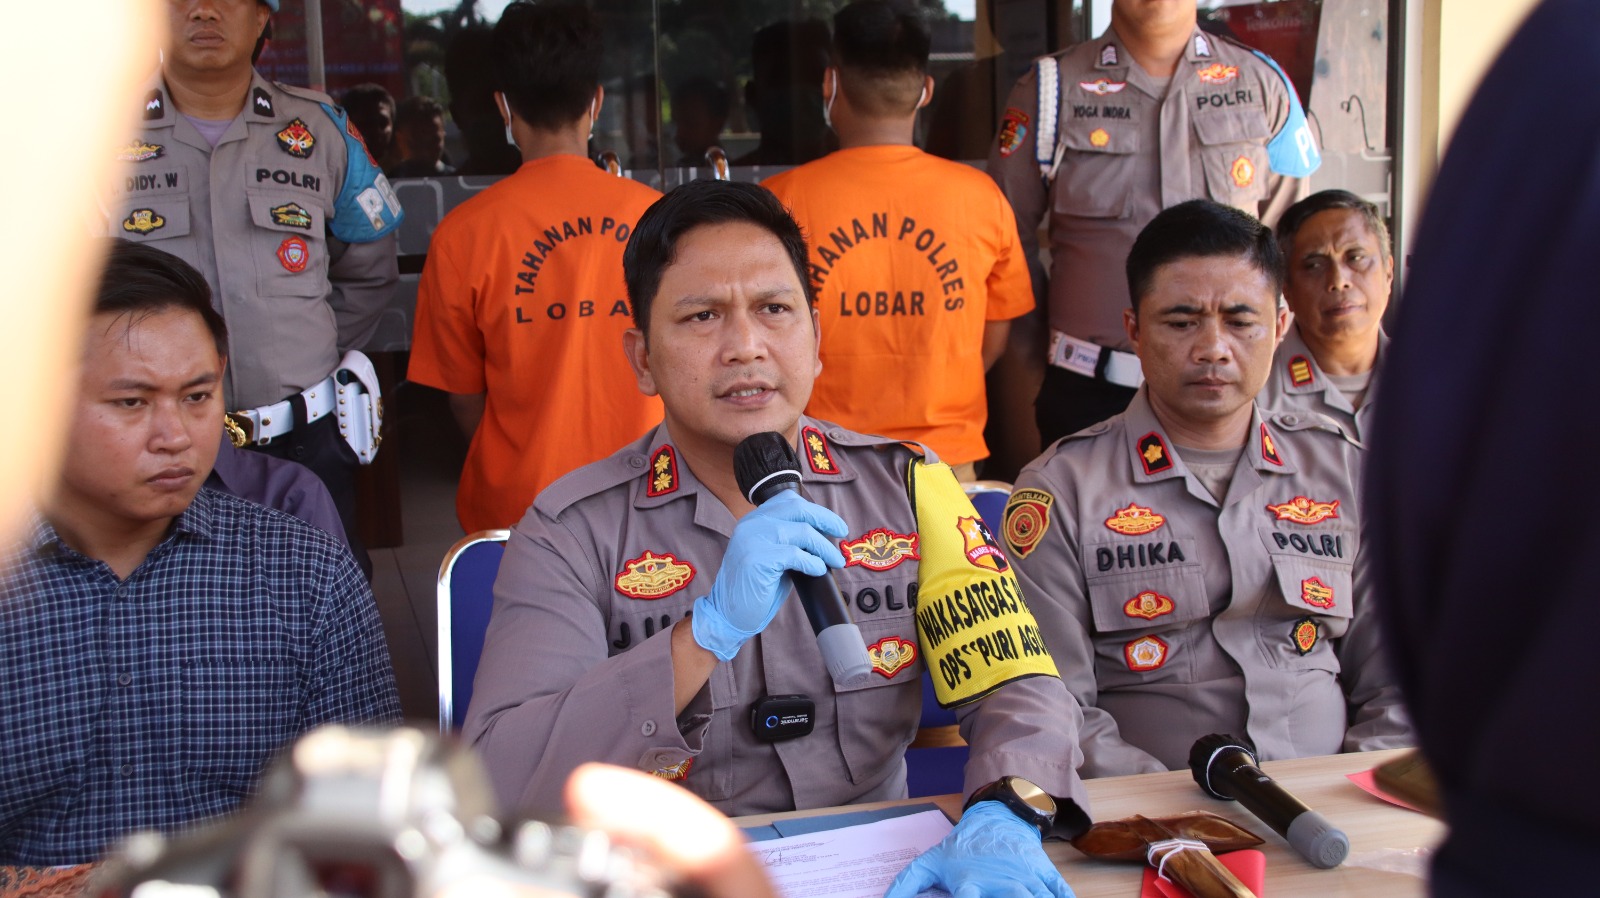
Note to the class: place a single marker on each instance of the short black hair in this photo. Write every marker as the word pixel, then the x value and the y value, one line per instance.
pixel 417 110
pixel 140 280
pixel 1327 200
pixel 881 47
pixel 654 243
pixel 365 98
pixel 546 59
pixel 1201 229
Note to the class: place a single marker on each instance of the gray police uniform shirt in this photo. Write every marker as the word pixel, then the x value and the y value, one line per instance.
pixel 288 218
pixel 1172 615
pixel 1298 382
pixel 577 667
pixel 1227 128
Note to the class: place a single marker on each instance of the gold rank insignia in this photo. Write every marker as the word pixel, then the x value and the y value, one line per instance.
pixel 979 546
pixel 817 452
pixel 1269 448
pixel 1304 510
pixel 143 221
pixel 1243 172
pixel 1316 593
pixel 1304 635
pixel 1148 605
pixel 674 772
pixel 1027 518
pixel 1135 520
pixel 663 473
pixel 1217 73
pixel 296 140
pixel 1300 371
pixel 891 654
pixel 1153 453
pixel 880 549
pixel 1099 137
pixel 139 151
pixel 1145 653
pixel 651 576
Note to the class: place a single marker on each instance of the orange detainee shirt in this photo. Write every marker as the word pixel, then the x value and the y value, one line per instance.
pixel 910 256
pixel 522 299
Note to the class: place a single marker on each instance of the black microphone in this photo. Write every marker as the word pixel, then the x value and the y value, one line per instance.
pixel 765 465
pixel 1225 767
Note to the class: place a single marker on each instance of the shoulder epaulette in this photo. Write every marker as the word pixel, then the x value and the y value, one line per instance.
pixel 591 480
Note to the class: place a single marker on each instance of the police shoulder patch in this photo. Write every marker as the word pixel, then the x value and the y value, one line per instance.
pixel 818 453
pixel 663 473
pixel 297 140
pixel 1153 453
pixel 652 576
pixel 1027 517
pixel 1013 131
pixel 1300 372
pixel 1269 447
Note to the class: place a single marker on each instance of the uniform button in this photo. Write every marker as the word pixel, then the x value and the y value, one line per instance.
pixel 124 679
pixel 1291 420
pixel 660 759
pixel 835 434
pixel 648 728
pixel 126 770
pixel 636 461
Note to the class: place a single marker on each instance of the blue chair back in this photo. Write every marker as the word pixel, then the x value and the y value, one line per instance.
pixel 465 597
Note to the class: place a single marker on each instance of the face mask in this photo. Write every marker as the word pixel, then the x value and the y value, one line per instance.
pixel 504 104
pixel 827 108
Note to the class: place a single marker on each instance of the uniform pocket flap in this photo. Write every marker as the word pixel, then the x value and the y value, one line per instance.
pixel 1241 126
pixel 278 213
pixel 892 646
pixel 1150 598
pixel 149 218
pixel 1321 585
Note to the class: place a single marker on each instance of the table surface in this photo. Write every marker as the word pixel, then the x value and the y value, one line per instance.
pixel 1389 846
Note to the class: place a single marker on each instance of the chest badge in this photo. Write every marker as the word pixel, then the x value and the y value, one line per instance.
pixel 143 221
pixel 1135 520
pixel 1300 371
pixel 817 452
pixel 1316 593
pixel 1243 172
pixel 296 140
pixel 979 546
pixel 1217 73
pixel 1013 130
pixel 1305 510
pixel 292 215
pixel 1153 453
pixel 139 151
pixel 1304 634
pixel 663 473
pixel 1269 448
pixel 1145 653
pixel 674 772
pixel 1102 86
pixel 1148 605
pixel 294 254
pixel 652 576
pixel 890 655
pixel 1099 137
pixel 1027 518
pixel 880 549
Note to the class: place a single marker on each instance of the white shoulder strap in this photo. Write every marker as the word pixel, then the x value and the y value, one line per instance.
pixel 1049 111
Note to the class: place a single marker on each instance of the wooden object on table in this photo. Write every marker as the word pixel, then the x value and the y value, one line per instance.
pixel 1120 840
pixel 1410 779
pixel 1187 862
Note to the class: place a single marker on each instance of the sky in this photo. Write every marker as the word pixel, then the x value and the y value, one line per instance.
pixel 490 9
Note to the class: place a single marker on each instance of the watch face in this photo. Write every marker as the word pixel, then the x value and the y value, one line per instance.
pixel 1035 797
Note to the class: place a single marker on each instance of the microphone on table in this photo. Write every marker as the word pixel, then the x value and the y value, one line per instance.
pixel 1225 767
pixel 765 465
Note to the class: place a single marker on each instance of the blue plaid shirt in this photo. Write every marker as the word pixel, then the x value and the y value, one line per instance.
pixel 154 702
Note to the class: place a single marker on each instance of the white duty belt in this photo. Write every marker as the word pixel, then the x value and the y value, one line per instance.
pixel 1092 360
pixel 351 392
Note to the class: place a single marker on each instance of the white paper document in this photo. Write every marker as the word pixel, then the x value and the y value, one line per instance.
pixel 852 862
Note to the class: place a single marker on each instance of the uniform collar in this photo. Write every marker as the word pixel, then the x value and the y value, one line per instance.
pixel 1295 361
pixel 197 520
pixel 1113 59
pixel 260 106
pixel 1153 458
pixel 668 477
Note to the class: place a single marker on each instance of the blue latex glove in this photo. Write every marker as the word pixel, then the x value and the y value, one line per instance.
pixel 990 854
pixel 786 533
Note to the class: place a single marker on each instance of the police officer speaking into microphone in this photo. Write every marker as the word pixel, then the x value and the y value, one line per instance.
pixel 644 614
pixel 268 190
pixel 1097 139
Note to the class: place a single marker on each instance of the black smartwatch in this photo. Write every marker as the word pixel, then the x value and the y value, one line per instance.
pixel 1033 804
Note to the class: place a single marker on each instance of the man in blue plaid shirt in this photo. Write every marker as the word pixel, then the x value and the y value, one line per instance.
pixel 160 642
